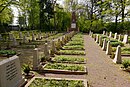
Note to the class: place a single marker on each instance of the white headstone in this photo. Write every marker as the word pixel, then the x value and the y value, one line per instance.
pixel 11 37
pixel 100 41
pixel 125 40
pixel 115 36
pixel 39 36
pixel 20 35
pixel 28 34
pixel 103 32
pixel 24 39
pixel 35 59
pixel 89 33
pixel 97 38
pixel 33 37
pixel 118 58
pixel 119 37
pixel 106 33
pixel 10 73
pixel 110 35
pixel 15 42
pixel 46 51
pixel 109 48
pixel 104 45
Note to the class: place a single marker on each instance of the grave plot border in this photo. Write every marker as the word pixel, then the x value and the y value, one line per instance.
pixel 85 81
pixel 57 71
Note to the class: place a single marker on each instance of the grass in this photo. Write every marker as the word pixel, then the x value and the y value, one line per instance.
pixel 74 47
pixel 39 82
pixel 8 52
pixel 68 59
pixel 60 66
pixel 70 52
pixel 75 43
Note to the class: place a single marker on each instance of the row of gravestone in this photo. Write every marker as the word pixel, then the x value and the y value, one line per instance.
pixel 116 36
pixel 24 38
pixel 10 69
pixel 106 46
pixel 55 46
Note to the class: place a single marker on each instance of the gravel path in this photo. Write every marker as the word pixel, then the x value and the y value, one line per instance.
pixel 102 72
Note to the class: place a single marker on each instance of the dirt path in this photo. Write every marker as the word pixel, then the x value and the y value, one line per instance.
pixel 102 72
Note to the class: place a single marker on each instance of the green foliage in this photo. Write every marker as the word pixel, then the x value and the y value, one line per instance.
pixel 74 47
pixel 8 52
pixel 126 64
pixel 56 83
pixel 68 59
pixel 26 69
pixel 65 67
pixel 115 44
pixel 70 52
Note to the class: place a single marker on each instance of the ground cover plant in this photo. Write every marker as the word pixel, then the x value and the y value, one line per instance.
pixel 7 52
pixel 60 66
pixel 75 43
pixel 70 52
pixel 39 82
pixel 125 50
pixel 74 47
pixel 68 59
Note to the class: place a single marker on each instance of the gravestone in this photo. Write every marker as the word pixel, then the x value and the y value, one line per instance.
pixel 103 32
pixel 106 33
pixel 28 35
pixel 24 39
pixel 100 41
pixel 39 36
pixel 117 58
pixel 97 38
pixel 90 33
pixel 115 36
pixel 35 59
pixel 109 48
pixel 11 37
pixel 119 37
pixel 104 45
pixel 53 49
pixel 46 51
pixel 15 42
pixel 10 73
pixel 125 40
pixel 1 37
pixel 33 37
pixel 110 35
pixel 20 35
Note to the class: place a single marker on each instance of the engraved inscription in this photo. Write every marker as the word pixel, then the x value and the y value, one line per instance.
pixel 11 71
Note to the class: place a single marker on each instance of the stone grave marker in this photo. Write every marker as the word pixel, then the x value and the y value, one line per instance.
pixel 46 51
pixel 106 33
pixel 1 37
pixel 119 37
pixel 20 35
pixel 103 32
pixel 115 36
pixel 10 73
pixel 97 38
pixel 125 40
pixel 11 37
pixel 28 34
pixel 104 45
pixel 109 48
pixel 35 59
pixel 110 35
pixel 118 58
pixel 33 37
pixel 100 41
pixel 15 42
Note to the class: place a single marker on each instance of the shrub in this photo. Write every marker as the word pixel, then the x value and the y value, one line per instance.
pixel 126 64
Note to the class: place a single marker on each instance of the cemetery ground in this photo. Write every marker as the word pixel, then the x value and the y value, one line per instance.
pixel 77 60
